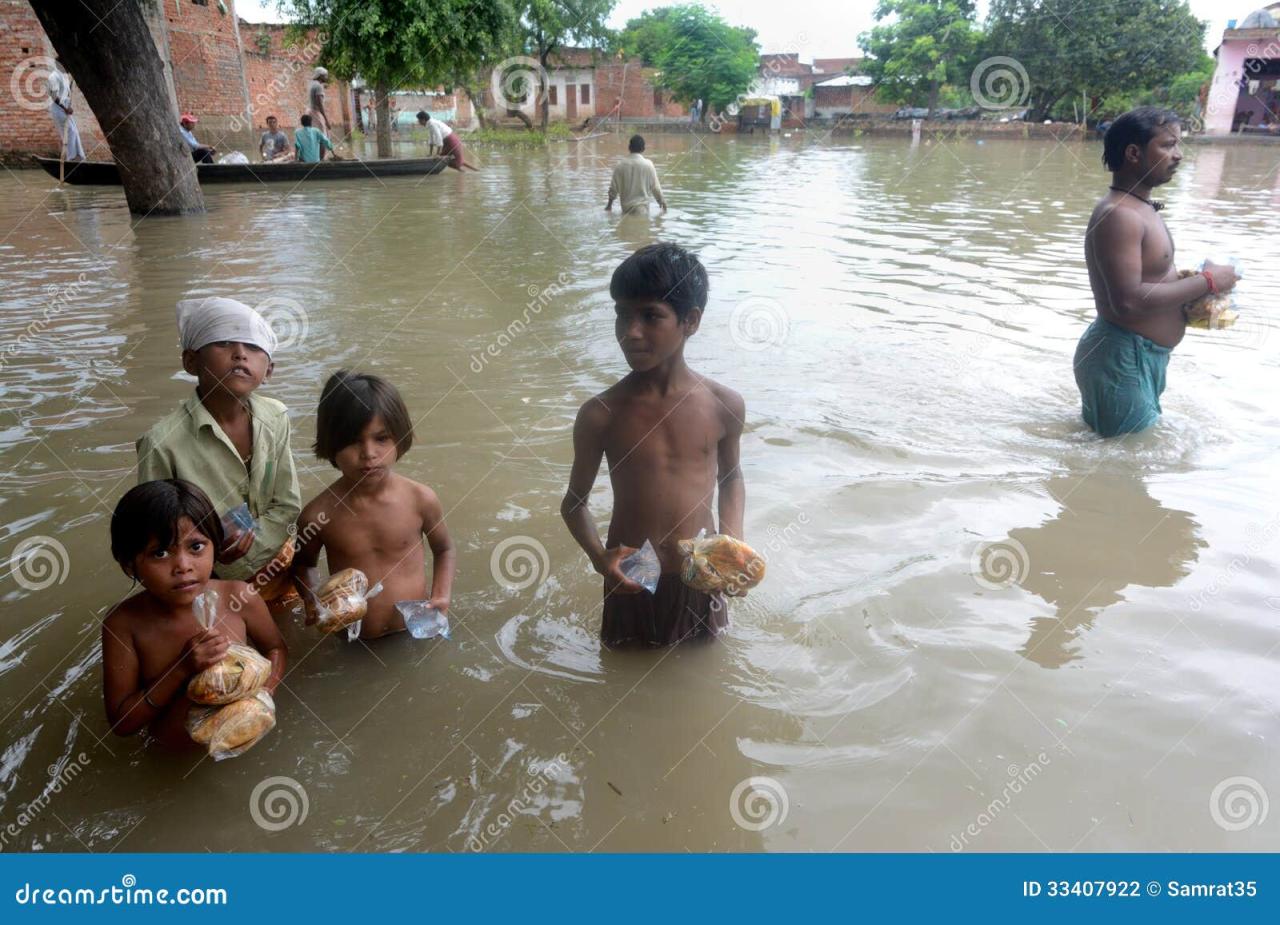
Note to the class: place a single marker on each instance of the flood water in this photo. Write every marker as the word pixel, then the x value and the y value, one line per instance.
pixel 982 627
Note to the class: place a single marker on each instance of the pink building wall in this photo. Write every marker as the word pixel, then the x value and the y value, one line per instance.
pixel 1224 92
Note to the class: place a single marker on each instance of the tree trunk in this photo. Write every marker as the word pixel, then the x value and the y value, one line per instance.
pixel 934 86
pixel 119 71
pixel 477 106
pixel 384 118
pixel 544 94
pixel 359 113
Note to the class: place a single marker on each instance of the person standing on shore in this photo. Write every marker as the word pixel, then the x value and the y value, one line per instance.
pixel 1121 360
pixel 60 111
pixel 635 179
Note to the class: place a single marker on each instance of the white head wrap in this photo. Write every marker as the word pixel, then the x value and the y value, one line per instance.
pixel 206 321
pixel 318 73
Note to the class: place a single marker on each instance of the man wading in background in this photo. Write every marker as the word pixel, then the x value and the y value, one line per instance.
pixel 635 179
pixel 60 110
pixel 1120 361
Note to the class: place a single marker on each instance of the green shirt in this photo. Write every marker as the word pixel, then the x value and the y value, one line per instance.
pixel 188 444
pixel 307 142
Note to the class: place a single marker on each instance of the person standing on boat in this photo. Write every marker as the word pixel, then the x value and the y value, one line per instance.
pixel 635 179
pixel 315 93
pixel 1121 359
pixel 445 140
pixel 201 154
pixel 309 143
pixel 60 110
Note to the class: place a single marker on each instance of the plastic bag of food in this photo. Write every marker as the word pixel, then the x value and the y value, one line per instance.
pixel 720 563
pixel 343 600
pixel 422 620
pixel 1212 311
pixel 233 157
pixel 241 673
pixel 643 567
pixel 242 670
pixel 233 729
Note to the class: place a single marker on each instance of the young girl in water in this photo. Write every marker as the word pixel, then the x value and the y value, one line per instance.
pixel 163 535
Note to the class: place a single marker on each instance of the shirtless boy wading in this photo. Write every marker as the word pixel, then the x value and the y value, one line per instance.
pixel 1121 359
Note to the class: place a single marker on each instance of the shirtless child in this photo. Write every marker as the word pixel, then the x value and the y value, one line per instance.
pixel 163 535
pixel 1121 360
pixel 371 518
pixel 670 436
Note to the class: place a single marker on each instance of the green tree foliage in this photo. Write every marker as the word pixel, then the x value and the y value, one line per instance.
pixel 926 45
pixel 1100 50
pixel 550 25
pixel 393 43
pixel 698 54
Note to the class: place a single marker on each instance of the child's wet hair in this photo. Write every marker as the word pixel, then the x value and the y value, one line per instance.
pixel 349 402
pixel 1135 127
pixel 665 273
pixel 150 513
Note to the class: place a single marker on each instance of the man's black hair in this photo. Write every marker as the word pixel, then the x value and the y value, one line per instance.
pixel 1135 127
pixel 269 118
pixel 636 144
pixel 150 513
pixel 424 116
pixel 348 402
pixel 665 273
pixel 306 119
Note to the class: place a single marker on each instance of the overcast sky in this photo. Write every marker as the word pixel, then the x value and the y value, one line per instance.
pixel 815 28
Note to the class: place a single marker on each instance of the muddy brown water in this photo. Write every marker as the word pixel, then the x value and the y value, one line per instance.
pixel 982 628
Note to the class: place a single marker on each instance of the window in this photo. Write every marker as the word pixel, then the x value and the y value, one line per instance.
pixel 551 95
pixel 586 93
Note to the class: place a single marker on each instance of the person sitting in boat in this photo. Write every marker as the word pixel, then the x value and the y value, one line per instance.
pixel 309 143
pixel 274 145
pixel 201 154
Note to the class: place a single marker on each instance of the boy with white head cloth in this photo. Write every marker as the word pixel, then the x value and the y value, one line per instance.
pixel 230 441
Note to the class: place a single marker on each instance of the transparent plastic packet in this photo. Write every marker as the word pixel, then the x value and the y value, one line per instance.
pixel 422 620
pixel 242 671
pixel 643 567
pixel 232 729
pixel 720 564
pixel 1213 311
pixel 343 600
pixel 238 520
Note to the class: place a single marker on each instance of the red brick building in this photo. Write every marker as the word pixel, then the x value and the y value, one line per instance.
pixel 230 73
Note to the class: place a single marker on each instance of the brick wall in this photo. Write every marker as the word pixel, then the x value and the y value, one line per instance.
pixel 631 83
pixel 215 66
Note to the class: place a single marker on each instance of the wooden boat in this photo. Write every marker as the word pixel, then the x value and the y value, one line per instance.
pixel 106 173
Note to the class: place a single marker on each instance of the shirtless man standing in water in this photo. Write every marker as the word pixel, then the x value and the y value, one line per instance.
pixel 1121 360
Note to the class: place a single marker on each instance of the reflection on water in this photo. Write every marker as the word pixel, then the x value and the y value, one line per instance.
pixel 900 320
pixel 1085 557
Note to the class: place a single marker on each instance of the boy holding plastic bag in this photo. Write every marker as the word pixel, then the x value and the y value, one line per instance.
pixel 163 645
pixel 372 521
pixel 671 437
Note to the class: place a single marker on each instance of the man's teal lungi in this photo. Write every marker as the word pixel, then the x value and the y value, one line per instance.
pixel 1121 376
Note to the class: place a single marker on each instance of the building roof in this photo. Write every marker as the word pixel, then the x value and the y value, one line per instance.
pixel 847 80
pixel 785 64
pixel 836 65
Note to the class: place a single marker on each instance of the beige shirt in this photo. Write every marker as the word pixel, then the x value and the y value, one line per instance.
pixel 634 181
pixel 189 444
